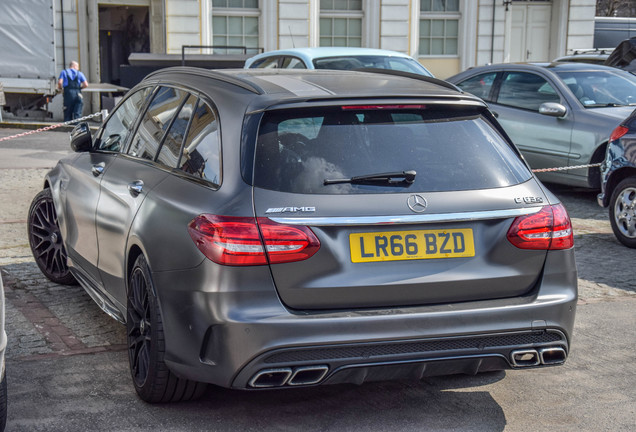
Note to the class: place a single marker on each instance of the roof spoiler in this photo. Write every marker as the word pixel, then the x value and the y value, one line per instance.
pixel 425 78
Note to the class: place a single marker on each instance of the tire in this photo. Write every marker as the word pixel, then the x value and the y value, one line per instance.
pixel 152 379
pixel 622 211
pixel 45 240
pixel 3 402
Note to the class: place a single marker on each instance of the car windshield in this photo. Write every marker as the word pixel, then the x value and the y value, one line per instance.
pixel 596 89
pixel 382 149
pixel 367 61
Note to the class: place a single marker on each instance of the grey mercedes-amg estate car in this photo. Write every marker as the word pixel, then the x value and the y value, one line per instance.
pixel 260 229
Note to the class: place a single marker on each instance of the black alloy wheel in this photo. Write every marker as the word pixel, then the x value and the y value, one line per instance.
pixel 152 379
pixel 45 240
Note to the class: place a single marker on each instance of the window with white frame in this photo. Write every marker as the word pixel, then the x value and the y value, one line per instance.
pixel 341 23
pixel 235 24
pixel 439 27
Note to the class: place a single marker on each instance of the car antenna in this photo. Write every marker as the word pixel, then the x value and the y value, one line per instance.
pixel 291 36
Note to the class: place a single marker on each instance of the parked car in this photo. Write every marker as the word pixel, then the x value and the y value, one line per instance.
pixel 618 185
pixel 594 56
pixel 558 114
pixel 336 58
pixel 3 374
pixel 275 229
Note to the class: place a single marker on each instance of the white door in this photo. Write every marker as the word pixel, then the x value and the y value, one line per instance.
pixel 530 37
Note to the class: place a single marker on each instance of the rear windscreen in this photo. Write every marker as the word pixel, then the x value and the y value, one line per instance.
pixel 305 150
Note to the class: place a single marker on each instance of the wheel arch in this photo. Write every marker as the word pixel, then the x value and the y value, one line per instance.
pixel 617 177
pixel 594 174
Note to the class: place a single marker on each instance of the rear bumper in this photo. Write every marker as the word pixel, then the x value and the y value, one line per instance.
pixel 248 338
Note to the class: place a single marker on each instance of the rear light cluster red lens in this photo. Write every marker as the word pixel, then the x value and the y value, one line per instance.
pixel 550 229
pixel 619 132
pixel 245 241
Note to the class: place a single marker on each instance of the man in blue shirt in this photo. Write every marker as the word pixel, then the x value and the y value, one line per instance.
pixel 72 81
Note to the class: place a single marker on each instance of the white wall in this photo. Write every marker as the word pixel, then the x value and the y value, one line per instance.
pixel 183 24
pixel 580 33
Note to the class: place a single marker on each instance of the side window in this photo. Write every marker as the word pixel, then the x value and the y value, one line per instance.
pixel 122 121
pixel 526 90
pixel 169 152
pixel 293 63
pixel 155 121
pixel 479 85
pixel 268 63
pixel 202 149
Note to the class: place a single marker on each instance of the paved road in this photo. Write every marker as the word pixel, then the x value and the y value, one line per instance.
pixel 67 367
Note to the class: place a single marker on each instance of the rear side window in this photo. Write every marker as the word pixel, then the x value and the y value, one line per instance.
pixel 201 156
pixel 297 150
pixel 155 122
pixel 171 147
pixel 267 63
pixel 479 85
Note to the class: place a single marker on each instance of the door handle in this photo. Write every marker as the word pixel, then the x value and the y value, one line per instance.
pixel 98 169
pixel 136 187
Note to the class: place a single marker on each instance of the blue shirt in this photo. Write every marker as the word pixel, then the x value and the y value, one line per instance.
pixel 71 74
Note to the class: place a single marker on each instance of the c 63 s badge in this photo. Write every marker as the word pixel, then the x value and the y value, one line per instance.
pixel 529 200
pixel 290 210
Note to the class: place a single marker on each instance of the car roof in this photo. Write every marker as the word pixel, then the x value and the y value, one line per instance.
pixel 288 85
pixel 308 54
pixel 317 52
pixel 547 66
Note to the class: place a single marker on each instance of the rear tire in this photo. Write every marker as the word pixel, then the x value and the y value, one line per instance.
pixel 45 240
pixel 152 379
pixel 622 211
pixel 3 402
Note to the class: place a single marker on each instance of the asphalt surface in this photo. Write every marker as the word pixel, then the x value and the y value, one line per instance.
pixel 67 368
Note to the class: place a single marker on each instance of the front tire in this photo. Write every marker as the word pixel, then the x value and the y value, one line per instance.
pixel 152 379
pixel 622 210
pixel 45 240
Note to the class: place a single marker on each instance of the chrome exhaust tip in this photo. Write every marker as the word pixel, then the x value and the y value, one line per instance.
pixel 307 375
pixel 525 358
pixel 552 355
pixel 268 378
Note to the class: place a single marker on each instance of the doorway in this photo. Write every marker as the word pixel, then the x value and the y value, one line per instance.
pixel 122 30
pixel 530 35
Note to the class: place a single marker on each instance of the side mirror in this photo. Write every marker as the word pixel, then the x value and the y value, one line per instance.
pixel 552 109
pixel 81 140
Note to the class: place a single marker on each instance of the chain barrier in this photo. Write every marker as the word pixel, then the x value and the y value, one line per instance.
pixel 102 113
pixel 567 168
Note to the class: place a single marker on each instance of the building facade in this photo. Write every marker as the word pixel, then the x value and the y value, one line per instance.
pixel 447 36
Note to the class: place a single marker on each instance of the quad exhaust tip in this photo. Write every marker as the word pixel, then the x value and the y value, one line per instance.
pixel 543 356
pixel 552 355
pixel 279 377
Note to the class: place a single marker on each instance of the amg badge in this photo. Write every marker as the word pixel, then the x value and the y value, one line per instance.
pixel 290 210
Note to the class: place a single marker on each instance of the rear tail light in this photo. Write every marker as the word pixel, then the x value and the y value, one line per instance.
pixel 619 132
pixel 550 229
pixel 244 241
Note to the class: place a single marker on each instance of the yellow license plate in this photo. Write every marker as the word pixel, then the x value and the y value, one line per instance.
pixel 411 245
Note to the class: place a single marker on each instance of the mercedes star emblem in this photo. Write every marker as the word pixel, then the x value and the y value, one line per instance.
pixel 417 203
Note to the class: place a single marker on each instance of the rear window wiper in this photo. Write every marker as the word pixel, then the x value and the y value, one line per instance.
pixel 388 179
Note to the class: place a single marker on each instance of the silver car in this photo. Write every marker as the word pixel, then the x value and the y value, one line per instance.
pixel 260 229
pixel 558 114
